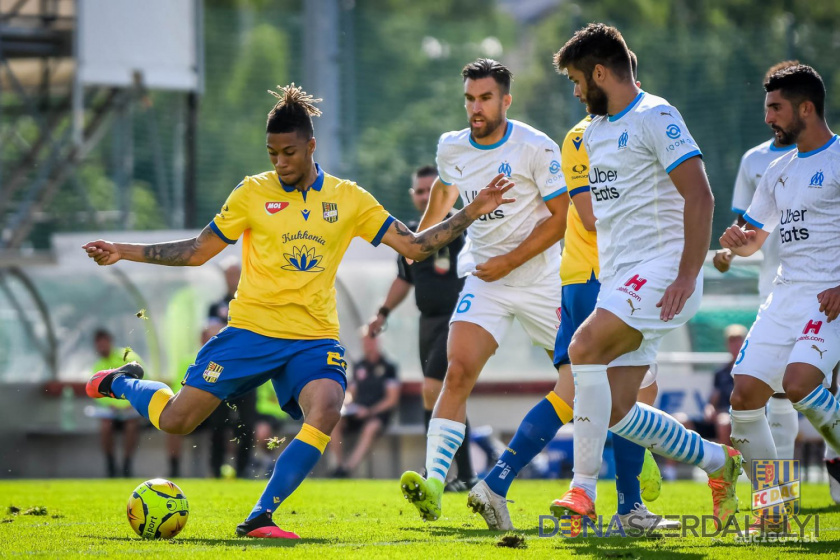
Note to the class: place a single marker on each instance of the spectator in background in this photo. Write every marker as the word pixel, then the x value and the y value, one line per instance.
pixel 270 418
pixel 238 415
pixel 116 415
pixel 371 398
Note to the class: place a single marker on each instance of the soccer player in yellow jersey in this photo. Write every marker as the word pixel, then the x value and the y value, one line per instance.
pixel 296 222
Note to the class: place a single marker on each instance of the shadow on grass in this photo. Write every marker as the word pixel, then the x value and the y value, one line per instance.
pixel 232 542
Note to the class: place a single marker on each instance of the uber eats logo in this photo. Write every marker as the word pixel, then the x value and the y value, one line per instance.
pixel 599 180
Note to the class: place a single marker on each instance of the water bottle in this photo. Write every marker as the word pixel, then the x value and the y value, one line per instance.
pixel 67 409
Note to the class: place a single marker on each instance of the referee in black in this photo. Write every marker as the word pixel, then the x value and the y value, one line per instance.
pixel 436 289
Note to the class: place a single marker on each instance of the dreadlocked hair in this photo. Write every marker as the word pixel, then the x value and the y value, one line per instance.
pixel 293 111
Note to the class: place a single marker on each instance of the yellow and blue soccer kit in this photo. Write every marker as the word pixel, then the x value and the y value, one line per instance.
pixel 283 323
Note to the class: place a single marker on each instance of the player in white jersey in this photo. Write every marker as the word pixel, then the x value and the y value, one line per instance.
pixel 783 418
pixel 794 343
pixel 645 170
pixel 511 258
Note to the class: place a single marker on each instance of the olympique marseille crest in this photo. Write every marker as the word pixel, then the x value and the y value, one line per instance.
pixel 775 487
pixel 330 211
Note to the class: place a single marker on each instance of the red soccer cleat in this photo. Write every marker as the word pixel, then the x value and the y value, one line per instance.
pixel 573 503
pixel 263 527
pixel 99 386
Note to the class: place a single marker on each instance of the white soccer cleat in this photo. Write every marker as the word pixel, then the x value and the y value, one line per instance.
pixel 491 506
pixel 641 519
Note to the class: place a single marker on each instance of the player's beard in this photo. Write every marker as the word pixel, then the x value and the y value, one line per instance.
pixel 596 99
pixel 489 126
pixel 791 135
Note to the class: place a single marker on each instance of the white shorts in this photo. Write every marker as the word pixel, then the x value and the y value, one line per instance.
pixel 632 295
pixel 493 306
pixel 789 329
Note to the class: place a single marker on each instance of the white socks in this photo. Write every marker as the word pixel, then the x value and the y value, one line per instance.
pixel 442 441
pixel 751 436
pixel 823 411
pixel 593 403
pixel 665 435
pixel 784 425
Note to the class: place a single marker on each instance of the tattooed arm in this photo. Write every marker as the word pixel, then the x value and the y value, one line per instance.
pixel 418 246
pixel 185 252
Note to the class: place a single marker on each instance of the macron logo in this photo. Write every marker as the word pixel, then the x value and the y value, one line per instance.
pixel 274 207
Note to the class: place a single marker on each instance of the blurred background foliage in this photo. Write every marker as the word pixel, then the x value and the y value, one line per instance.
pixel 401 86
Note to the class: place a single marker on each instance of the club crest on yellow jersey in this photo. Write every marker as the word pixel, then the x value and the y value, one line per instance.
pixel 330 211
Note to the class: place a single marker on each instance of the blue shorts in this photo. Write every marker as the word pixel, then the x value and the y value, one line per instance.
pixel 237 361
pixel 577 302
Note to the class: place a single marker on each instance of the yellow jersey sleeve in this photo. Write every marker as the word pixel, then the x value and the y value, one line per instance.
pixel 232 220
pixel 580 252
pixel 575 162
pixel 372 220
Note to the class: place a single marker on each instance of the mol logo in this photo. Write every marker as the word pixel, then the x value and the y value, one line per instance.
pixel 622 140
pixel 775 487
pixel 636 282
pixel 817 179
pixel 505 169
pixel 812 327
pixel 272 208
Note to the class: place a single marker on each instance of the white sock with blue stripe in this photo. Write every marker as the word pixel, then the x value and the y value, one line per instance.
pixel 823 411
pixel 442 441
pixel 664 435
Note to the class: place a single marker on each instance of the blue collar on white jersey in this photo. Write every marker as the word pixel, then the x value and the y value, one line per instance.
pixel 613 118
pixel 818 150
pixel 495 145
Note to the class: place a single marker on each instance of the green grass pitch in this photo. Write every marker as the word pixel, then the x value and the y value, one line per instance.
pixel 363 519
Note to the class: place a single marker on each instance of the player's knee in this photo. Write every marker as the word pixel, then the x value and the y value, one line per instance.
pixel 796 387
pixel 582 349
pixel 743 399
pixel 459 379
pixel 176 426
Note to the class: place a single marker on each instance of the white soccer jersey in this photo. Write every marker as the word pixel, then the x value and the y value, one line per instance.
pixel 752 168
pixel 532 160
pixel 638 209
pixel 800 194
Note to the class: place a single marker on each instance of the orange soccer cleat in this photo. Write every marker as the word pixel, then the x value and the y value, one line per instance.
pixel 574 502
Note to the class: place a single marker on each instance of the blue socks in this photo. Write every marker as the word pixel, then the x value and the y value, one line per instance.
pixel 149 398
pixel 629 458
pixel 292 466
pixel 538 427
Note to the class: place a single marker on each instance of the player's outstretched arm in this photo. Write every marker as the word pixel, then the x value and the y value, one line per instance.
pixel 690 180
pixel 186 252
pixel 442 198
pixel 743 241
pixel 420 245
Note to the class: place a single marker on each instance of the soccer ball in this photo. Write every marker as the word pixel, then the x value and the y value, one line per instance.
pixel 157 509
